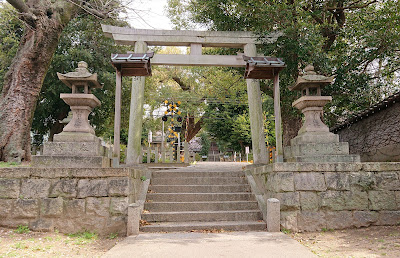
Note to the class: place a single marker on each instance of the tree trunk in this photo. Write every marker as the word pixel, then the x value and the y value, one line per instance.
pixel 194 128
pixel 22 86
pixel 291 126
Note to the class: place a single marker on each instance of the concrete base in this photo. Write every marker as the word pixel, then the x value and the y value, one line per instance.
pixel 71 161
pixel 318 147
pixel 75 137
pixel 314 137
pixel 312 149
pixel 325 158
pixel 93 148
pixel 74 150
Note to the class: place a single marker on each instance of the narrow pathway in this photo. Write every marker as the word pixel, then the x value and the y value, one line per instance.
pixel 208 196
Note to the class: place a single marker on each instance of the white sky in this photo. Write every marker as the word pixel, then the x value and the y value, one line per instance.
pixel 150 14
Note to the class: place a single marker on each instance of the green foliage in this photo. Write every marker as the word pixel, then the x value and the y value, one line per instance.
pixel 122 154
pixel 10 33
pixel 113 236
pixel 143 178
pixel 205 144
pixel 22 229
pixel 357 41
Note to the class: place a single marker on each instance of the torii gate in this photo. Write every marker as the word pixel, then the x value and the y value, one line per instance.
pixel 141 39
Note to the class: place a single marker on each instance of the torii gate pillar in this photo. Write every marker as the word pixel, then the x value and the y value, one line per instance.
pixel 256 115
pixel 136 113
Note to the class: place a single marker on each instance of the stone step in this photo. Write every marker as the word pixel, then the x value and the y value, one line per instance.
pixel 237 215
pixel 326 158
pixel 317 149
pixel 198 197
pixel 200 206
pixel 198 181
pixel 231 188
pixel 174 174
pixel 190 226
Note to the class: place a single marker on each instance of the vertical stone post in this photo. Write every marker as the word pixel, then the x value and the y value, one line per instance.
pixel 273 215
pixel 162 144
pixel 140 155
pixel 273 156
pixel 156 155
pixel 186 152
pixel 278 123
pixel 117 120
pixel 132 227
pixel 148 154
pixel 178 149
pixel 256 116
pixel 136 113
pixel 171 156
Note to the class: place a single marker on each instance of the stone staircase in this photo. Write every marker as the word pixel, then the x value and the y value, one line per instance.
pixel 186 200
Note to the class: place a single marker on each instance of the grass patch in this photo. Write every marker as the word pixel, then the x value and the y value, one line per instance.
pixel 113 236
pixel 8 164
pixel 82 238
pixel 21 229
pixel 21 245
pixel 286 231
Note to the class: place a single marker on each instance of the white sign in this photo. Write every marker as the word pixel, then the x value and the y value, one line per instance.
pixel 247 149
pixel 150 138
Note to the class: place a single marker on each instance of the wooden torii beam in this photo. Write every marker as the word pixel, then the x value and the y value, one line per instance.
pixel 196 40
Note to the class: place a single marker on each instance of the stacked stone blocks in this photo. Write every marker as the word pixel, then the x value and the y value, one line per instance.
pixel 315 196
pixel 70 199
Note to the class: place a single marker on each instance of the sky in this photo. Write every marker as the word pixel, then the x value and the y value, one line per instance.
pixel 149 14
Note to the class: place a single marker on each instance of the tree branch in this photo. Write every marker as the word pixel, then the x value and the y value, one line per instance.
pixel 87 7
pixel 181 84
pixel 351 6
pixel 19 5
pixel 316 18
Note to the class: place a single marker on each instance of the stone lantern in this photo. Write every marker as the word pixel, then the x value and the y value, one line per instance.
pixel 80 100
pixel 77 145
pixel 314 142
pixel 311 103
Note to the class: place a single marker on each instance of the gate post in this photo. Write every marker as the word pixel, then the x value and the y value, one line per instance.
pixel 136 113
pixel 256 116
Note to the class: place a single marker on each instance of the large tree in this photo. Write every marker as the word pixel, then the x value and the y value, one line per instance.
pixel 44 21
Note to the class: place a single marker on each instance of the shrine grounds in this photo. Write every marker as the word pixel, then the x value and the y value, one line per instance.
pixel 374 241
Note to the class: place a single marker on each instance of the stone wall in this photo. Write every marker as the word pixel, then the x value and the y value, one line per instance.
pixel 68 199
pixel 375 137
pixel 331 195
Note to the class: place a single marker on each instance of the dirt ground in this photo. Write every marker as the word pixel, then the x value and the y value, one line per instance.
pixel 14 243
pixel 364 242
pixel 377 241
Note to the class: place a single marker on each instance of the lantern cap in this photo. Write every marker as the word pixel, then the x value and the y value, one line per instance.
pixel 311 79
pixel 80 77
